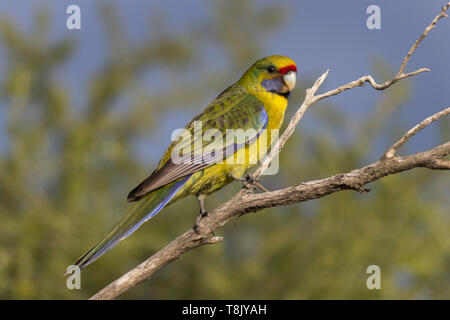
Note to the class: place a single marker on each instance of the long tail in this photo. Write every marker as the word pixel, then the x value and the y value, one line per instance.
pixel 142 211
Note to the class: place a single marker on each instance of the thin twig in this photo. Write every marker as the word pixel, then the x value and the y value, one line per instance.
pixel 432 25
pixel 393 149
pixel 400 74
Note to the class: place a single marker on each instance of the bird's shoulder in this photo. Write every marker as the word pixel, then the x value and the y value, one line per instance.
pixel 233 108
pixel 231 98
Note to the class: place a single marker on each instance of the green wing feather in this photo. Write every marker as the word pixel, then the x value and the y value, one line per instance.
pixel 234 108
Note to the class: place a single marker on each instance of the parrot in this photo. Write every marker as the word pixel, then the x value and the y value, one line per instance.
pixel 256 102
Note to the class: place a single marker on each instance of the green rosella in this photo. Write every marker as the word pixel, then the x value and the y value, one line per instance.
pixel 256 102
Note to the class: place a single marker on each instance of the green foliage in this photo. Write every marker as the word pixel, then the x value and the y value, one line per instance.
pixel 67 168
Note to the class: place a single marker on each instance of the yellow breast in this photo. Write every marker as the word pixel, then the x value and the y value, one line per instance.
pixel 275 106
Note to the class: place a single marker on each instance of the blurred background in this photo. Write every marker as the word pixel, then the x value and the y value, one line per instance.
pixel 86 114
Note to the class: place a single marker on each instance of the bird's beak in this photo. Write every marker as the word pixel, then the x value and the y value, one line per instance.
pixel 289 80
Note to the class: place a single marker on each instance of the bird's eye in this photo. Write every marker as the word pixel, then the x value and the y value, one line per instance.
pixel 271 69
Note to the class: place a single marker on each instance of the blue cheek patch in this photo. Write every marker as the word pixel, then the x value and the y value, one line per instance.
pixel 272 85
pixel 275 86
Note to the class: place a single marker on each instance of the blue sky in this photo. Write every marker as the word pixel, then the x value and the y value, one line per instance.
pixel 318 35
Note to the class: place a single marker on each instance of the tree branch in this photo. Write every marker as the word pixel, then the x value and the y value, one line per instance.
pixel 393 149
pixel 245 202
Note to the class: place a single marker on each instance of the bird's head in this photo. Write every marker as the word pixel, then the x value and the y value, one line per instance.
pixel 275 74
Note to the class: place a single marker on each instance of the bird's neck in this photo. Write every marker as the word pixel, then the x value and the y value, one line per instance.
pixel 275 106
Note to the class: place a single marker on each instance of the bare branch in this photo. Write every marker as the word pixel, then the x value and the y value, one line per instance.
pixel 400 74
pixel 360 82
pixel 393 149
pixel 432 25
pixel 245 202
pixel 310 97
pixel 438 164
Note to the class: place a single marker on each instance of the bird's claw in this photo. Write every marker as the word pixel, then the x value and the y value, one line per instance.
pixel 200 216
pixel 250 183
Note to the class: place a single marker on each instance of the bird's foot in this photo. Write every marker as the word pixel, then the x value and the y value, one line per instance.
pixel 252 184
pixel 201 215
pixel 203 212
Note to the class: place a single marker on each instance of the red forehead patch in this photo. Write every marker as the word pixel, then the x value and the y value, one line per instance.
pixel 286 69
